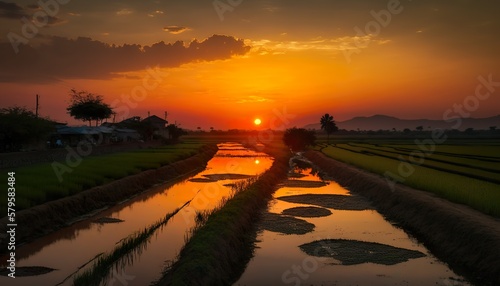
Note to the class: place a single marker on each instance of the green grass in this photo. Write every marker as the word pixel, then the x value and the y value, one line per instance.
pixel 218 251
pixel 469 150
pixel 479 194
pixel 474 168
pixel 127 248
pixel 39 183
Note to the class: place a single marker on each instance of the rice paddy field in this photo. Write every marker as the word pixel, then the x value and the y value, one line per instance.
pixel 462 171
pixel 37 184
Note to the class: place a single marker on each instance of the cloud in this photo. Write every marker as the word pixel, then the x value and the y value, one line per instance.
pixel 53 21
pixel 271 9
pixel 11 11
pixel 265 97
pixel 84 58
pixel 14 11
pixel 176 29
pixel 264 47
pixel 155 13
pixel 124 12
pixel 253 99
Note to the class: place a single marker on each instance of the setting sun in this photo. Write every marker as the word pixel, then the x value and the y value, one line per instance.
pixel 289 123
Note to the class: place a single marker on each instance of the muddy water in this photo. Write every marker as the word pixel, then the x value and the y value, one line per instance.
pixel 278 260
pixel 69 249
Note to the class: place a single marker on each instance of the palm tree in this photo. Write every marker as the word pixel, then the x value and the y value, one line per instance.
pixel 328 124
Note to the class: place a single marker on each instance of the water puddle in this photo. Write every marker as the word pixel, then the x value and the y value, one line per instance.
pixel 323 235
pixel 68 249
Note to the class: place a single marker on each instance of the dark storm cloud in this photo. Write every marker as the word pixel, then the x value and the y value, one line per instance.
pixel 11 10
pixel 63 58
pixel 14 11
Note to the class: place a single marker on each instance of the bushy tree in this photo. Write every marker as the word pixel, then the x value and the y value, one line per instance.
pixel 19 126
pixel 145 129
pixel 297 139
pixel 88 106
pixel 174 132
pixel 328 124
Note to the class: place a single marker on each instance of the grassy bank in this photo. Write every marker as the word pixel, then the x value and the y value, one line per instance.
pixel 466 239
pixel 42 219
pixel 465 174
pixel 40 183
pixel 218 251
pixel 101 268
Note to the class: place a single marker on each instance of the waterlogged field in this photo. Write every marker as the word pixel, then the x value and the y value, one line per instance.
pixel 131 243
pixel 45 182
pixel 466 172
pixel 321 234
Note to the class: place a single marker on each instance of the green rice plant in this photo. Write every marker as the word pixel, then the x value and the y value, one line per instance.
pixel 480 150
pixel 215 253
pixel 431 160
pixel 130 246
pixel 481 195
pixel 37 184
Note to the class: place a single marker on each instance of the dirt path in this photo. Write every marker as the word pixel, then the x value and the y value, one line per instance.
pixel 465 238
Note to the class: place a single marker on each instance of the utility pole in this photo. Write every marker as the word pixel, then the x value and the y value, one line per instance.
pixel 36 108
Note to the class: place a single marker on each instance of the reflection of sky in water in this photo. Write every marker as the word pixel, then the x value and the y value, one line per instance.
pixel 276 254
pixel 69 248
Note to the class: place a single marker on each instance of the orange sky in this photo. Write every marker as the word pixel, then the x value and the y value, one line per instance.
pixel 291 57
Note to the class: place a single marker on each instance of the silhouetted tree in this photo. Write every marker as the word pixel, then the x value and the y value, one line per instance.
pixel 328 124
pixel 174 132
pixel 19 126
pixel 297 139
pixel 493 128
pixel 144 128
pixel 88 106
pixel 419 128
pixel 469 130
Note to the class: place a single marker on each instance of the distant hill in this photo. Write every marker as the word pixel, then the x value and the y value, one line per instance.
pixel 384 122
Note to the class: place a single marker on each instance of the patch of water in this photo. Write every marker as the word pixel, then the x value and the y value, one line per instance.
pixel 278 260
pixel 68 249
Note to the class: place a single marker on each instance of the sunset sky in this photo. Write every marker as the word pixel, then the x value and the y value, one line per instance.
pixel 224 63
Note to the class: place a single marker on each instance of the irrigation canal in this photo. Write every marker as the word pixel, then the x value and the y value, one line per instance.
pixel 72 250
pixel 314 233
pixel 335 238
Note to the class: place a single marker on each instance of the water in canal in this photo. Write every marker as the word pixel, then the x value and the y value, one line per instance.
pixel 282 259
pixel 68 249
